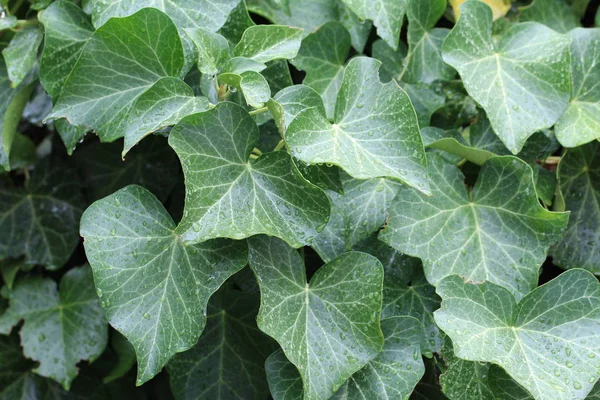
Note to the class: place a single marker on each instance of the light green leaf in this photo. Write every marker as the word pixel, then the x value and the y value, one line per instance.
pixel 152 165
pixel 165 103
pixel 264 43
pixel 255 88
pixel 237 65
pixel 40 221
pixel 497 232
pixel 70 135
pixel 579 124
pixel 228 361
pixel 154 289
pixel 8 22
pixel 387 15
pixel 579 179
pixel 295 99
pixel 548 343
pixel 361 210
pixel 322 55
pixel 424 62
pixel 329 327
pixel 229 195
pixel 522 82
pixel 556 14
pixel 104 101
pixel 21 53
pixel 375 134
pixel 61 327
pixel 67 29
pixel 213 49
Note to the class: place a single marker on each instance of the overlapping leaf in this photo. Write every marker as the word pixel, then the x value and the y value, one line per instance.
pixel 21 53
pixel 549 343
pixel 263 43
pixel 556 14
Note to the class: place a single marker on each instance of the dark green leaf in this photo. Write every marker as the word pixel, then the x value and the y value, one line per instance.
pixel 21 54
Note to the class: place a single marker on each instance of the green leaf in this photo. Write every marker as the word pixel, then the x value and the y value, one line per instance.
pixel 126 354
pixel 328 327
pixel 579 178
pixel 237 22
pixel 579 124
pixel 295 99
pixel 229 195
pixel 21 54
pixel 61 327
pixel 264 43
pixel 165 103
pixel 547 343
pixel 9 269
pixel 522 82
pixel 70 135
pixel 103 102
pixel 424 62
pixel 152 165
pixel 228 361
pixel 387 15
pixel 322 55
pixel 213 49
pixel 375 134
pixel 284 379
pixel 361 210
pixel 8 22
pixel 497 232
pixel 67 30
pixel 425 101
pixel 40 221
pixel 555 14
pixel 154 289
pixel 253 85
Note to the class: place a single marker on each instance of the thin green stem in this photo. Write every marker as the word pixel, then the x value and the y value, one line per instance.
pixel 280 145
pixel 257 151
pixel 259 111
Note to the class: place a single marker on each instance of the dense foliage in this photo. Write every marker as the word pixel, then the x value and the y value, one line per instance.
pixel 299 199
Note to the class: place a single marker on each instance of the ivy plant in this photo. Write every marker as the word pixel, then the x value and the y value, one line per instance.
pixel 299 199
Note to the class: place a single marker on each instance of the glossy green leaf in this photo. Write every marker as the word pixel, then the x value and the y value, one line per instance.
pixel 21 54
pixel 556 14
pixel 70 135
pixel 253 86
pixel 155 289
pixel 99 95
pixel 61 327
pixel 8 22
pixel 579 124
pixel 375 134
pixel 126 354
pixel 295 99
pixel 228 361
pixel 213 49
pixel 284 379
pixel 579 179
pixel 328 327
pixel 322 56
pixel 548 343
pixel 522 82
pixel 230 195
pixel 264 43
pixel 497 232
pixel 40 221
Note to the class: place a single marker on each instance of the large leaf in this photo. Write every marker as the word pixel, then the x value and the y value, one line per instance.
pixel 522 82
pixel 61 327
pixel 322 56
pixel 40 221
pixel 556 14
pixel 579 179
pixel 393 374
pixel 99 95
pixel 21 53
pixel 264 43
pixel 230 195
pixel 328 327
pixel 228 361
pixel 579 124
pixel 497 232
pixel 548 343
pixel 375 134
pixel 154 289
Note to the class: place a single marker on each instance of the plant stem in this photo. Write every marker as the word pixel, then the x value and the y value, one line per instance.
pixel 257 151
pixel 259 111
pixel 280 145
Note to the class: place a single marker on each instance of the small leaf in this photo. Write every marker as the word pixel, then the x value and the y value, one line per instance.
pixel 126 354
pixel 556 14
pixel 522 82
pixel 547 343
pixel 295 99
pixel 213 50
pixel 375 134
pixel 61 327
pixel 498 232
pixel 21 54
pixel 245 197
pixel 499 7
pixel 264 43
pixel 155 289
pixel 329 327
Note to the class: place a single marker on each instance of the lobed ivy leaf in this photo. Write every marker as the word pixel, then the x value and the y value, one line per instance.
pixel 497 232
pixel 556 14
pixel 100 94
pixel 522 82
pixel 213 50
pixel 579 178
pixel 230 195
pixel 328 327
pixel 293 100
pixel 61 327
pixel 548 342
pixel 264 43
pixel 21 53
pixel 154 289
pixel 375 134
pixel 228 361
pixel 579 123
